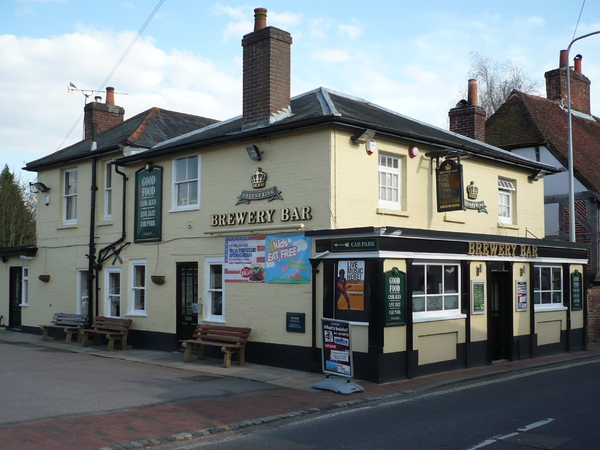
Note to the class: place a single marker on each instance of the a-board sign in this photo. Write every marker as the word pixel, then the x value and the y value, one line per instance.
pixel 336 348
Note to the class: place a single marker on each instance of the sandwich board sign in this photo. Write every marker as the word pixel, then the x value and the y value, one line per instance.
pixel 336 354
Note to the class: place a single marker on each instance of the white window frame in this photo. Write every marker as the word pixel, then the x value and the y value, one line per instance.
pixel 184 182
pixel 110 273
pixel 443 314
pixel 506 201
pixel 209 290
pixel 82 276
pixel 538 290
pixel 390 181
pixel 25 286
pixel 108 197
pixel 69 198
pixel 138 289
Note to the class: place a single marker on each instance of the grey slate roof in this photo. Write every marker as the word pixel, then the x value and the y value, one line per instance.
pixel 324 106
pixel 142 131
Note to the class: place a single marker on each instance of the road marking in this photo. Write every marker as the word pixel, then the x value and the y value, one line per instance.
pixel 535 425
pixel 494 439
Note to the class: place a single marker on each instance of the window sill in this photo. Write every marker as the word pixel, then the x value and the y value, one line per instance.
pixel 105 222
pixel 507 226
pixel 191 208
pixel 137 314
pixel 434 317
pixel 213 321
pixel 67 226
pixel 543 308
pixel 392 212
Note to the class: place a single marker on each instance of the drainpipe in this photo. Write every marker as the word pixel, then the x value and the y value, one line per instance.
pixel 92 244
pixel 124 209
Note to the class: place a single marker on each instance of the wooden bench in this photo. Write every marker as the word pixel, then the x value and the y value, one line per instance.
pixel 232 340
pixel 113 328
pixel 70 323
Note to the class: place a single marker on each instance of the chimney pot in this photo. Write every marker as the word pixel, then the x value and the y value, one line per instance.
pixel 260 18
pixel 110 95
pixel 577 63
pixel 97 98
pixel 472 92
pixel 563 59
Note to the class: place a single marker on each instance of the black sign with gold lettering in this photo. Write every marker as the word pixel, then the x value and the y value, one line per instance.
pixel 449 186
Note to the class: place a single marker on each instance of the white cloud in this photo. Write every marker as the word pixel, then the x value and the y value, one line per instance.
pixel 352 31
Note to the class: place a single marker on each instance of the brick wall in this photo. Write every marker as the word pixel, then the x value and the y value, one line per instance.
pixel 468 120
pixel 593 299
pixel 556 89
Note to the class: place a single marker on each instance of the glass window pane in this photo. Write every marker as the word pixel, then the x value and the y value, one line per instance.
pixel 418 279
pixel 192 172
pixel 451 279
pixel 180 169
pixel 418 304
pixel 546 297
pixel 434 280
pixel 545 275
pixel 451 302
pixel 434 303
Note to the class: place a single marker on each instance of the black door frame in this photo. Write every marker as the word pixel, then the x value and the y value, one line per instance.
pixel 186 318
pixel 500 312
pixel 15 297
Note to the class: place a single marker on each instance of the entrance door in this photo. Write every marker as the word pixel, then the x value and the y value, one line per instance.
pixel 187 299
pixel 500 315
pixel 16 297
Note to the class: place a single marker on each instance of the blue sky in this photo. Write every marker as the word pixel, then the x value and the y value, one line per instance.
pixel 410 57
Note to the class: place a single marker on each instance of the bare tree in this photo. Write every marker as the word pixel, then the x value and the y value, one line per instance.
pixel 17 211
pixel 496 79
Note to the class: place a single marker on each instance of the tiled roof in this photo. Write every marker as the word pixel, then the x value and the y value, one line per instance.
pixel 527 120
pixel 142 131
pixel 322 106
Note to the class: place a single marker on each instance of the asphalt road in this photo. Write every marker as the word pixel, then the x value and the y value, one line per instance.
pixel 38 383
pixel 552 407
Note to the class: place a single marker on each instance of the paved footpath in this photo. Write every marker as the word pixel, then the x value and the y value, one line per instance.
pixel 281 393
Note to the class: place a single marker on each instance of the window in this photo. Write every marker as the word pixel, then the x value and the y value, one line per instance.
pixel 390 194
pixel 547 287
pixel 25 287
pixel 113 292
pixel 186 189
pixel 70 196
pixel 137 300
pixel 83 297
pixel 215 294
pixel 108 191
pixel 506 191
pixel 436 292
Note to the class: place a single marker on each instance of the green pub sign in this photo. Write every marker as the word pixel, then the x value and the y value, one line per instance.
pixel 395 298
pixel 148 204
pixel 576 291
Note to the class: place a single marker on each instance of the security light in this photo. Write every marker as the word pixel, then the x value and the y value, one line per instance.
pixel 253 152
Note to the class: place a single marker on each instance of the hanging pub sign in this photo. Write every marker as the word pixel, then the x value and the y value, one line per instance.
pixel 576 296
pixel 395 297
pixel 449 186
pixel 148 204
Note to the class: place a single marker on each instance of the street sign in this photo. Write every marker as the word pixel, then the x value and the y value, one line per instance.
pixel 354 245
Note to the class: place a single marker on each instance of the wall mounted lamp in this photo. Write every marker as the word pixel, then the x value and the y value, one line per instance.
pixel 522 271
pixel 253 152
pixel 365 136
pixel 149 167
pixel 39 187
pixel 478 269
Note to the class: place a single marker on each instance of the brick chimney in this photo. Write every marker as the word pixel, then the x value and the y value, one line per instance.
pixel 104 115
pixel 267 67
pixel 468 118
pixel 556 84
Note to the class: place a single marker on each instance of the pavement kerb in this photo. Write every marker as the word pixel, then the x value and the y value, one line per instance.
pixel 150 443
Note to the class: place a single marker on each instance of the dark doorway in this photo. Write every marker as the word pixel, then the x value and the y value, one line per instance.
pixel 187 299
pixel 500 315
pixel 15 297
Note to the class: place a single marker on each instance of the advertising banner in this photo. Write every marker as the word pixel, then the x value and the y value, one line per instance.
pixel 395 296
pixel 245 259
pixel 337 348
pixel 287 259
pixel 148 205
pixel 350 285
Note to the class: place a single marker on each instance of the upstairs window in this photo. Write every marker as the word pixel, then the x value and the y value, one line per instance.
pixel 186 188
pixel 506 192
pixel 70 196
pixel 390 194
pixel 108 191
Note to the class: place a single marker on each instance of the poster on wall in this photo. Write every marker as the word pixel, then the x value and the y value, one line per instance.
pixel 245 259
pixel 287 258
pixel 350 285
pixel 521 295
pixel 478 296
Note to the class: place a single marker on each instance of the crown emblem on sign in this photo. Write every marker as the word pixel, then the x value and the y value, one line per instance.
pixel 472 191
pixel 259 179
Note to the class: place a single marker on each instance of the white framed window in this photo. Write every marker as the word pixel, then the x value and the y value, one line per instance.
pixel 108 191
pixel 390 179
pixel 25 286
pixel 436 291
pixel 83 296
pixel 137 294
pixel 506 192
pixel 214 290
pixel 547 287
pixel 186 183
pixel 70 196
pixel 113 292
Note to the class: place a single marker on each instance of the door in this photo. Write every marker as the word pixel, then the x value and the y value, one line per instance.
pixel 187 299
pixel 15 297
pixel 500 315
